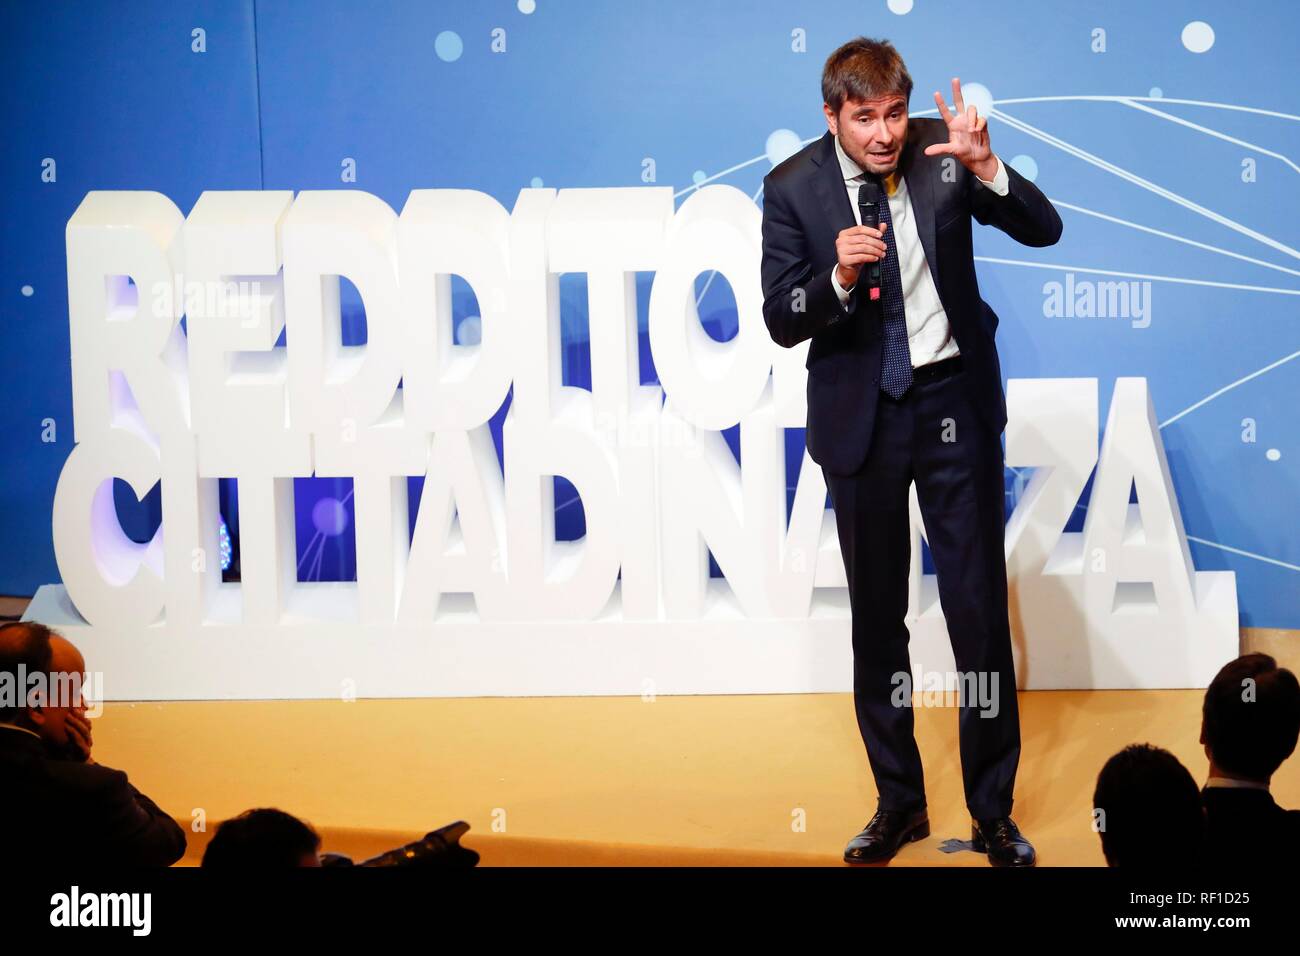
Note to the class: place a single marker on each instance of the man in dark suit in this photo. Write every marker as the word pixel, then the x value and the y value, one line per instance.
pixel 904 385
pixel 58 808
pixel 1250 723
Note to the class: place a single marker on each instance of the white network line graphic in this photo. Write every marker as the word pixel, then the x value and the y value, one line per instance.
pixel 1210 132
pixel 1230 386
pixel 1136 275
pixel 1146 184
pixel 1133 103
pixel 318 539
pixel 1081 154
pixel 1245 554
pixel 1169 235
pixel 1148 99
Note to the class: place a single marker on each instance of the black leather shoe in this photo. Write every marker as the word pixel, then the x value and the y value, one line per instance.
pixel 886 832
pixel 1002 840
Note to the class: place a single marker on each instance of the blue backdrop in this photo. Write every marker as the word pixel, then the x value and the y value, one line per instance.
pixel 1171 152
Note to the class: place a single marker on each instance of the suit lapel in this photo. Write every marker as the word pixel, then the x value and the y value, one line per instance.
pixel 917 170
pixel 829 184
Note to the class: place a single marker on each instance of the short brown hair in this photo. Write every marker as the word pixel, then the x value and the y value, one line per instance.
pixel 864 69
pixel 1252 736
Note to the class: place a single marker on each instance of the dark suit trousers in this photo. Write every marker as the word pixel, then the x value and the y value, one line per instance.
pixel 932 436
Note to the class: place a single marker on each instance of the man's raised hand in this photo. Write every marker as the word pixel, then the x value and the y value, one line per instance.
pixel 968 137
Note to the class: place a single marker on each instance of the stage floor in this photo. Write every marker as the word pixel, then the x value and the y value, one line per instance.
pixel 764 779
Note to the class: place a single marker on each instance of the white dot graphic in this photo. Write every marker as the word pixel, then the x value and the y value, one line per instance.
pixel 976 95
pixel 781 145
pixel 1272 454
pixel 1026 166
pixel 698 176
pixel 27 290
pixel 1156 92
pixel 900 7
pixel 1198 36
pixel 449 46
pixel 330 517
pixel 526 6
pixel 470 330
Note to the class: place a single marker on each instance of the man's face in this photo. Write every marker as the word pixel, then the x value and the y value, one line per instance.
pixel 871 132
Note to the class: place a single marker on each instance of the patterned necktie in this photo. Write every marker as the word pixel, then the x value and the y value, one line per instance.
pixel 896 362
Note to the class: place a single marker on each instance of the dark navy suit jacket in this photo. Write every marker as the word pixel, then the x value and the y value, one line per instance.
pixel 805 206
pixel 65 813
pixel 1246 827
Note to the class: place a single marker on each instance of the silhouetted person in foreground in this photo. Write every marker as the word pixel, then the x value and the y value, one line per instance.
pixel 263 839
pixel 58 807
pixel 270 839
pixel 1148 810
pixel 1250 721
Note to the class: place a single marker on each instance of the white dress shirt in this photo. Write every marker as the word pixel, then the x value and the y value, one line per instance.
pixel 1234 783
pixel 929 337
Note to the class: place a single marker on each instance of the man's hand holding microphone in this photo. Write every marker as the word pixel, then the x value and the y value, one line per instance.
pixel 858 246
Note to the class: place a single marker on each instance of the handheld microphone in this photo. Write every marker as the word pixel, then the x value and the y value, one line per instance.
pixel 869 197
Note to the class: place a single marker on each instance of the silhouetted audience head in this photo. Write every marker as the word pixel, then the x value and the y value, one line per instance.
pixel 1250 719
pixel 28 648
pixel 1147 809
pixel 263 839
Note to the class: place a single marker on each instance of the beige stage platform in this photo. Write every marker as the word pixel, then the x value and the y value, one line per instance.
pixel 616 781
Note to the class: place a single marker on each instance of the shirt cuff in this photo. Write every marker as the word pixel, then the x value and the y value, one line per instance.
pixel 1000 184
pixel 840 293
